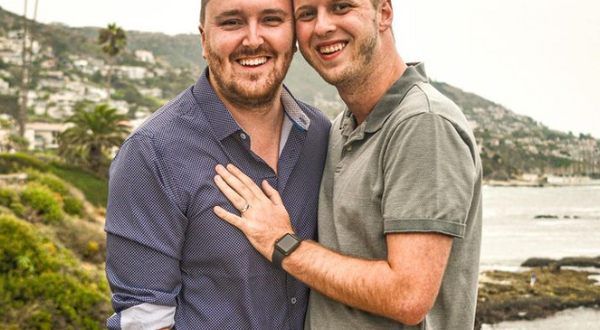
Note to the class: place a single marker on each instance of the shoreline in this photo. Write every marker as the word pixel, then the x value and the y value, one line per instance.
pixel 519 183
pixel 542 289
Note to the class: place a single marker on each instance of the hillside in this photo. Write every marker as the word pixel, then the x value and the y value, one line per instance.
pixel 511 145
pixel 52 251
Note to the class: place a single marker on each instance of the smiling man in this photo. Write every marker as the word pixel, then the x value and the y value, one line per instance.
pixel 171 262
pixel 400 200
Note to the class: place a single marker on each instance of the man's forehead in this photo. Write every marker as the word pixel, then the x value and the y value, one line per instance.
pixel 298 3
pixel 246 7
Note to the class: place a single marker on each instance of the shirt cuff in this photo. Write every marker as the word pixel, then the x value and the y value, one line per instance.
pixel 424 226
pixel 147 317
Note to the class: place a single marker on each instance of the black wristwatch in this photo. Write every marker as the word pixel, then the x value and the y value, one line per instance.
pixel 284 247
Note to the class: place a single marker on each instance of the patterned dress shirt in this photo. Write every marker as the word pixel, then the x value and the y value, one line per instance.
pixel 170 259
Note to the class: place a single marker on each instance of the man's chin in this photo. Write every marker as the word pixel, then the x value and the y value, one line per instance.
pixel 254 95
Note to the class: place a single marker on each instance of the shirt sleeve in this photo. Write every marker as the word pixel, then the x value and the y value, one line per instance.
pixel 429 175
pixel 145 234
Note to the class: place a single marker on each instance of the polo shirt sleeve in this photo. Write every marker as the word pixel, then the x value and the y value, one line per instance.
pixel 145 234
pixel 429 176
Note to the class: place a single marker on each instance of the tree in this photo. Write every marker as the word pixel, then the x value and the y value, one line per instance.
pixel 93 134
pixel 113 40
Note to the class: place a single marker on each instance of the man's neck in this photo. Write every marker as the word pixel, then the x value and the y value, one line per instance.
pixel 362 97
pixel 263 123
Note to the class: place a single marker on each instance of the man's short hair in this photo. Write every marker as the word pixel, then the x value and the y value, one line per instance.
pixel 203 11
pixel 204 2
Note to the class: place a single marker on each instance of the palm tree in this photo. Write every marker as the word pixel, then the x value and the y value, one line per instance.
pixel 93 134
pixel 113 40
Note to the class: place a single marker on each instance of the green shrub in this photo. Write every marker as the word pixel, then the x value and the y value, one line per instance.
pixel 43 287
pixel 43 202
pixel 10 199
pixel 49 180
pixel 83 239
pixel 21 250
pixel 73 206
pixel 12 163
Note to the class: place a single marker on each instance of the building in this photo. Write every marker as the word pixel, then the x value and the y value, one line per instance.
pixel 44 136
pixel 145 56
pixel 132 72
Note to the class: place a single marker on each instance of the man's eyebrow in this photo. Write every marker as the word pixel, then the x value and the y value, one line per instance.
pixel 228 13
pixel 280 12
pixel 303 7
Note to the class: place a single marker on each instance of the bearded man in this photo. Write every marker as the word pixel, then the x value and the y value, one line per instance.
pixel 171 263
pixel 400 201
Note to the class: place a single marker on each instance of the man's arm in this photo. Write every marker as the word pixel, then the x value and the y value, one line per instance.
pixel 145 232
pixel 403 287
pixel 429 175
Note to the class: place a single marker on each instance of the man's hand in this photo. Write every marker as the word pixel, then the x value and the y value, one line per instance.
pixel 265 220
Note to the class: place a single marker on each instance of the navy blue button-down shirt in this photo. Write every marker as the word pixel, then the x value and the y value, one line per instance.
pixel 169 256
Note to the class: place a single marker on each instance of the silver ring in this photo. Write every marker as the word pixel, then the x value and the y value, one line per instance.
pixel 245 208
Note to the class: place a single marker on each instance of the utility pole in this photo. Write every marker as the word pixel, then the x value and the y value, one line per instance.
pixel 24 78
pixel 26 58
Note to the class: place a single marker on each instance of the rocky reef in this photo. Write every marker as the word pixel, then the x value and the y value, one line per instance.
pixel 547 287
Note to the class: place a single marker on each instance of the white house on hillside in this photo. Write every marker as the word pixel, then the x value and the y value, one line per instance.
pixel 44 136
pixel 145 56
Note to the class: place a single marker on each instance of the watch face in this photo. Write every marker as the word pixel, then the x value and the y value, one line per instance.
pixel 287 243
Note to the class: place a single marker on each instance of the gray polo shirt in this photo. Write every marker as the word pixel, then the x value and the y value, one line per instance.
pixel 411 166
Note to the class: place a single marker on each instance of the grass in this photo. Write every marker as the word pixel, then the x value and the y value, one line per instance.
pixel 92 186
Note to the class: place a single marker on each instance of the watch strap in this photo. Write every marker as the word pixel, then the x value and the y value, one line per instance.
pixel 278 257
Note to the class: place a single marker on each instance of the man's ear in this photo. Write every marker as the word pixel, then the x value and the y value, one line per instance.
pixel 385 12
pixel 203 38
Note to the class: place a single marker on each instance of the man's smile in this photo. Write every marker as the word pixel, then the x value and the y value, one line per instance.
pixel 253 62
pixel 332 48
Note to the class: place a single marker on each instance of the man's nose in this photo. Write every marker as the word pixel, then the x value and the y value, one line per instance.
pixel 324 24
pixel 253 37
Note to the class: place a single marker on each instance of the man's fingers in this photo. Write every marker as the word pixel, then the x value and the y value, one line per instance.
pixel 234 183
pixel 245 180
pixel 271 193
pixel 235 199
pixel 229 217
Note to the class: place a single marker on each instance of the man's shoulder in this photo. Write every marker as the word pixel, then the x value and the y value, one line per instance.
pixel 423 98
pixel 170 119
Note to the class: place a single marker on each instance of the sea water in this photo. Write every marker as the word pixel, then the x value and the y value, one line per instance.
pixel 512 234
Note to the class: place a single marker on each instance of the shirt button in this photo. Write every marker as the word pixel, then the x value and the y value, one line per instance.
pixel 293 300
pixel 243 136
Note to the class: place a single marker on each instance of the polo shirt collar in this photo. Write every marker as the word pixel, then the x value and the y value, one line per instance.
pixel 414 73
pixel 221 120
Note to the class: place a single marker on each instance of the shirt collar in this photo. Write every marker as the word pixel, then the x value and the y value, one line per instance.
pixel 414 73
pixel 221 120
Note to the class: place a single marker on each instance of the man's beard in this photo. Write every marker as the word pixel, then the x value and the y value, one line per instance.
pixel 248 93
pixel 353 76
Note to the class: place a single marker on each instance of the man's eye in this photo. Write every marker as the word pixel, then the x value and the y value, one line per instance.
pixel 306 15
pixel 231 23
pixel 273 20
pixel 341 7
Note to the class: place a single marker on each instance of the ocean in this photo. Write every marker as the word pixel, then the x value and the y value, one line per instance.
pixel 512 234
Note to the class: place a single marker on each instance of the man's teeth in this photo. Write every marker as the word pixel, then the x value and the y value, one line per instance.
pixel 332 48
pixel 253 61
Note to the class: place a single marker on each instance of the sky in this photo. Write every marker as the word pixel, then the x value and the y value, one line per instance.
pixel 539 58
